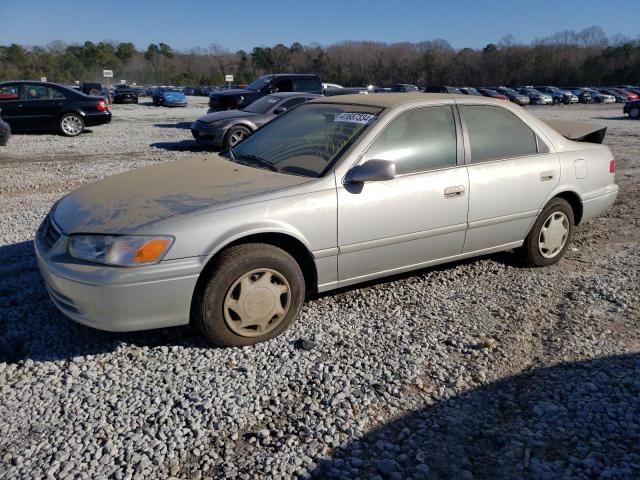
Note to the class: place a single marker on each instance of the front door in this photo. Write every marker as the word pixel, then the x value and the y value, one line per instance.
pixel 40 106
pixel 511 173
pixel 419 216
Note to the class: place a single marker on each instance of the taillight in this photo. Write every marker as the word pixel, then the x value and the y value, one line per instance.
pixel 612 166
pixel 102 106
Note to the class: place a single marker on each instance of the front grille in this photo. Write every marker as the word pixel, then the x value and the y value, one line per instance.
pixel 49 234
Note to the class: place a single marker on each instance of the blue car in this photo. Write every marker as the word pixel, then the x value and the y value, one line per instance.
pixel 169 97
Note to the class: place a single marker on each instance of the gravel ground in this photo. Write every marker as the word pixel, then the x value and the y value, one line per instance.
pixel 480 369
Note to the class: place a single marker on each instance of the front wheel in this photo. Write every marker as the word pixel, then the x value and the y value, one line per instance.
pixel 235 135
pixel 71 125
pixel 252 294
pixel 549 238
pixel 634 112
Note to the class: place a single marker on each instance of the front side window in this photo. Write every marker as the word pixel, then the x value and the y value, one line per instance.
pixel 418 140
pixel 41 92
pixel 9 92
pixel 496 133
pixel 307 140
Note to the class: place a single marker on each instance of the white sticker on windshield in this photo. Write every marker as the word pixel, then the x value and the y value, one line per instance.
pixel 364 118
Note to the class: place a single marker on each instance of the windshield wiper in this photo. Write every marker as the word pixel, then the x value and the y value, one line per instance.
pixel 261 161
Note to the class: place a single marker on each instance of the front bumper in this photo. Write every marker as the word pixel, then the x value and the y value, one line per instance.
pixel 117 298
pixel 208 135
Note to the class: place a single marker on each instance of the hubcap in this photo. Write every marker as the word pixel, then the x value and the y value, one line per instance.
pixel 72 125
pixel 237 136
pixel 553 235
pixel 257 302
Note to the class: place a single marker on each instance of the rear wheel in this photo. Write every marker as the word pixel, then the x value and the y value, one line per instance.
pixel 71 125
pixel 235 135
pixel 634 112
pixel 252 294
pixel 549 238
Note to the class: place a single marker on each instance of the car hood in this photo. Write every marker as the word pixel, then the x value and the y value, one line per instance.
pixel 224 115
pixel 120 203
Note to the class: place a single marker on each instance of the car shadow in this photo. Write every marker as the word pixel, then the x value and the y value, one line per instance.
pixel 619 117
pixel 571 420
pixel 31 327
pixel 180 125
pixel 181 146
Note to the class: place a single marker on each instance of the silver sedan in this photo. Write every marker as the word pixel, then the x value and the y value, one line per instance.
pixel 334 192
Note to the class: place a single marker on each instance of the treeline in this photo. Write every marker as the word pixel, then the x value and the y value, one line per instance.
pixel 587 57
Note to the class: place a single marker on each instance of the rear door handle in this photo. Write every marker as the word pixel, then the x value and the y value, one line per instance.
pixel 453 192
pixel 545 176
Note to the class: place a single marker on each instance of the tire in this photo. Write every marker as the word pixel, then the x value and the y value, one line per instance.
pixel 219 309
pixel 71 125
pixel 538 251
pixel 634 112
pixel 235 135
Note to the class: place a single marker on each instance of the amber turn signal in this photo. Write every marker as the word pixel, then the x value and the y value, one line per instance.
pixel 151 250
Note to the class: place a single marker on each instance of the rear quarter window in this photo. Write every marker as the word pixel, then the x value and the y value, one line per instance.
pixel 309 84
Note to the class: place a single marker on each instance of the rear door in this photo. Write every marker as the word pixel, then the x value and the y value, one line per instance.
pixel 511 173
pixel 10 104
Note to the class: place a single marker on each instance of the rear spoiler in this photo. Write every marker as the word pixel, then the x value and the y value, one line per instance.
pixel 578 131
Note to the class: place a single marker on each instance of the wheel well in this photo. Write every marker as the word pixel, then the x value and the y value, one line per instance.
pixel 575 202
pixel 289 244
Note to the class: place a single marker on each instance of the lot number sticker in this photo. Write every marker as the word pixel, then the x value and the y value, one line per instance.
pixel 364 118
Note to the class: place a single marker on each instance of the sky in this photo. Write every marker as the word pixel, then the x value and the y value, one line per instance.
pixel 245 24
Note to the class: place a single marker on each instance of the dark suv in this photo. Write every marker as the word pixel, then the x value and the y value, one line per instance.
pixel 238 98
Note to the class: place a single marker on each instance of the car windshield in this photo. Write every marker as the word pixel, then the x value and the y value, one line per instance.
pixel 262 105
pixel 307 140
pixel 509 91
pixel 260 83
pixel 472 91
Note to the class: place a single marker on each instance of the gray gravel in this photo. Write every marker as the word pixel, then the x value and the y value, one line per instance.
pixel 480 369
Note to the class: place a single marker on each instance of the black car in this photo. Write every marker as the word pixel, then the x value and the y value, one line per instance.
pixel 125 94
pixel 31 106
pixel 632 109
pixel 228 127
pixel 583 95
pixel 238 98
pixel 442 89
pixel 5 131
pixel 404 87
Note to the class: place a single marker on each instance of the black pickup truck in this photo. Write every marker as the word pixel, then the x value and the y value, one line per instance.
pixel 238 98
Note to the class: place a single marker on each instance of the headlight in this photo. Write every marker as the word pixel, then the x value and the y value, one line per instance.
pixel 124 251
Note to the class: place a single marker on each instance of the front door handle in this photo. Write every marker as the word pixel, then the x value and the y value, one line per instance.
pixel 453 192
pixel 546 176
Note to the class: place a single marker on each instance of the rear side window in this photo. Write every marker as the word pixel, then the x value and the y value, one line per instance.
pixel 41 92
pixel 9 92
pixel 309 84
pixel 293 102
pixel 418 140
pixel 495 133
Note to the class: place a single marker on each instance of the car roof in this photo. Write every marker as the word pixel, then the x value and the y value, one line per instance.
pixel 389 100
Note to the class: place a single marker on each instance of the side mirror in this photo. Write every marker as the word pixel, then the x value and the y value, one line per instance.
pixel 373 171
pixel 280 110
